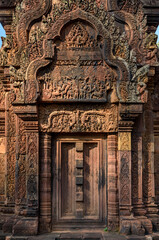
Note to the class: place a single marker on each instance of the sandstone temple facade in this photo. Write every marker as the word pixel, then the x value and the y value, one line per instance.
pixel 79 116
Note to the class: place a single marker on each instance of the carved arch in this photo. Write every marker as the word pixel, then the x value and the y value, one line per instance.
pixel 32 86
pixel 28 18
pixel 130 19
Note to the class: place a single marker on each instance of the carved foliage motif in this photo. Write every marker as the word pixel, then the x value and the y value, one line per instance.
pixel 136 164
pixel 21 164
pixel 129 5
pixel 11 140
pixel 32 171
pixel 80 119
pixel 125 179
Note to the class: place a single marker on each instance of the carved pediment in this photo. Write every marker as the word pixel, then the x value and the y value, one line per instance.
pixel 77 60
pixel 79 71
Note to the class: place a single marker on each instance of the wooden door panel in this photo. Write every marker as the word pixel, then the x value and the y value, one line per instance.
pixel 77 195
pixel 91 180
pixel 67 180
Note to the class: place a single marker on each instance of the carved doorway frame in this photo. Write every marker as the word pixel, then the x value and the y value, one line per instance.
pixel 58 222
pixel 46 180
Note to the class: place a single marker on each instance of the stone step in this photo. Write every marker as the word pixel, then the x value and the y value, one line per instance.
pixel 80 236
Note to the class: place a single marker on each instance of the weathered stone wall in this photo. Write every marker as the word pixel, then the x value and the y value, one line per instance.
pixel 78 67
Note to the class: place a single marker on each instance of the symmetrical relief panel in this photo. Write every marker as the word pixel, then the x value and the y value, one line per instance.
pixel 78 118
pixel 78 72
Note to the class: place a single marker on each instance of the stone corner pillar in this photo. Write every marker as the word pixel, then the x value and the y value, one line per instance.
pixel 124 154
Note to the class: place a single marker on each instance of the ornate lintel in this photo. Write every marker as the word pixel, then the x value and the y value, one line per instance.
pixel 78 119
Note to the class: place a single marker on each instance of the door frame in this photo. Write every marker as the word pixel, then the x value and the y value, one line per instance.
pixel 56 142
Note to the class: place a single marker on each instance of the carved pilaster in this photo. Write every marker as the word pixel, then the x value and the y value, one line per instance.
pixel 137 169
pixel 130 173
pixel 124 149
pixel 128 224
pixel 27 171
pixel 45 182
pixel 113 205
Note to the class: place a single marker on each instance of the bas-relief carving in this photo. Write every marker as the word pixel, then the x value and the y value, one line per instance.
pixel 76 42
pixel 78 118
pixel 138 85
pixel 79 73
pixel 111 60
pixel 52 17
pixel 124 141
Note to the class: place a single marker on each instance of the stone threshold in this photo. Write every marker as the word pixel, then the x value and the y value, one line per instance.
pixel 80 236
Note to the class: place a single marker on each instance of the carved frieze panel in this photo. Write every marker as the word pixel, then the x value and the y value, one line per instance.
pixel 78 118
pixel 79 72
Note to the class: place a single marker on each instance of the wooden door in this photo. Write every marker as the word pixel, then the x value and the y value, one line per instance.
pixel 79 193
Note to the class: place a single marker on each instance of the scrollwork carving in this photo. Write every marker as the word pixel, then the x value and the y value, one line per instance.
pixel 79 120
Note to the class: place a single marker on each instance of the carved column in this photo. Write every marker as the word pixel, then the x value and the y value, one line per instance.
pixel 113 205
pixel 45 182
